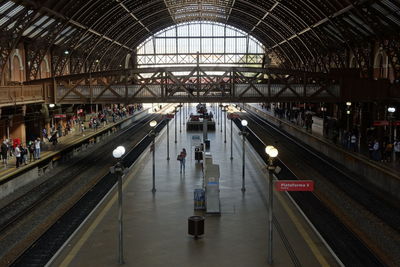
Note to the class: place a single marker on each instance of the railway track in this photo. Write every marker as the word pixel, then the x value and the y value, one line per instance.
pixel 48 207
pixel 323 209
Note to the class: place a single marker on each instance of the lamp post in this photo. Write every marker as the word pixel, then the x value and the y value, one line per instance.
pixel 243 133
pixel 323 109
pixel 221 115
pixel 175 111
pixel 119 169
pixel 180 118
pixel 231 137
pixel 167 137
pixel 272 153
pixel 348 104
pixel 391 110
pixel 152 135
pixel 225 109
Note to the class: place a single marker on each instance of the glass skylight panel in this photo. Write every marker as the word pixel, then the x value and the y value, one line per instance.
pixel 32 35
pixel 219 45
pixel 183 30
pixel 27 31
pixel 4 7
pixel 197 36
pixel 194 45
pixel 390 5
pixel 14 11
pixel 183 46
pixel 170 46
pixel 48 23
pixel 394 19
pixel 194 29
pixel 206 29
pixel 41 20
pixel 3 20
pixel 379 8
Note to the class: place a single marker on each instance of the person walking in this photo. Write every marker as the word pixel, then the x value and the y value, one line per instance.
pixel 182 159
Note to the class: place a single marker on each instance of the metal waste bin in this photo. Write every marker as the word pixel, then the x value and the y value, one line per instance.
pixel 196 226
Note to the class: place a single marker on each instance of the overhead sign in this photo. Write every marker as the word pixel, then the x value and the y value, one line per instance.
pixel 380 123
pixel 169 116
pixel 58 116
pixel 295 185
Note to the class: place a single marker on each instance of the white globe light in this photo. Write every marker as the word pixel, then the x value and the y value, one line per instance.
pixel 273 152
pixel 117 153
pixel 153 123
pixel 268 148
pixel 52 105
pixel 121 149
pixel 348 103
pixel 391 109
pixel 244 123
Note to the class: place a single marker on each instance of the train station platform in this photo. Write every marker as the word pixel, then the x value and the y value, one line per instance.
pixel 383 176
pixel 156 224
pixel 12 178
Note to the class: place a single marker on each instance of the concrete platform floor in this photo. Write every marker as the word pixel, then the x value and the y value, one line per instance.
pixel 155 225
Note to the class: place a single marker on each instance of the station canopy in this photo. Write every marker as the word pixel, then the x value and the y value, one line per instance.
pixel 107 32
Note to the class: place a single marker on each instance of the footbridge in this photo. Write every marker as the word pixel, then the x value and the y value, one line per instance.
pixel 201 84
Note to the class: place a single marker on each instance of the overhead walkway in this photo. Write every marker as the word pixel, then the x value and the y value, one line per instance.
pixel 155 225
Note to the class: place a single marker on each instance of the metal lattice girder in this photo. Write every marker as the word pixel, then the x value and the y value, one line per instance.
pixel 193 84
pixel 302 33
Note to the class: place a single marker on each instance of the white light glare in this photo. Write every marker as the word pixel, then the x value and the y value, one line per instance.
pixel 153 123
pixel 118 152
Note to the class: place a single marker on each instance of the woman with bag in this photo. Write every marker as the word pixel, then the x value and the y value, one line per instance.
pixel 182 159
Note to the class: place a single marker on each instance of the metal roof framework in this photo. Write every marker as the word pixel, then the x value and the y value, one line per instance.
pixel 88 35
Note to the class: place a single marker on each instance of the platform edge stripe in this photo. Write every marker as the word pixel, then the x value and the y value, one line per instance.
pixel 316 231
pixel 318 255
pixel 72 253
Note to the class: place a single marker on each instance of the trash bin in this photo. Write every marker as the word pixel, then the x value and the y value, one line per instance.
pixel 196 226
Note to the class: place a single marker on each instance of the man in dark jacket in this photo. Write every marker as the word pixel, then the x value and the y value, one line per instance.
pixel 4 150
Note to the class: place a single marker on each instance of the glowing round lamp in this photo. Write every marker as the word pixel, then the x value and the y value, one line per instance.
pixel 153 123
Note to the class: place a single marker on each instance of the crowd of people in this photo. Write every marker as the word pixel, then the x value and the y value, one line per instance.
pixel 379 149
pixel 30 151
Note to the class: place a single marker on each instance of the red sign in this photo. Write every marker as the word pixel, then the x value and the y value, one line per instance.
pixel 396 123
pixel 169 116
pixel 304 185
pixel 58 116
pixel 380 123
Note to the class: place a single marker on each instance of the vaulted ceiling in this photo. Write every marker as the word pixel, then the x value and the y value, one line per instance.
pixel 298 31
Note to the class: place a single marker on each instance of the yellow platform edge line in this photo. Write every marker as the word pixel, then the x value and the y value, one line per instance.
pixel 311 244
pixel 74 251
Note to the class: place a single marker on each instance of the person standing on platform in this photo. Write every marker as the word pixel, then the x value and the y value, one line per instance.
pixel 37 148
pixel 4 152
pixel 31 149
pixel 396 147
pixel 182 159
pixel 17 151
